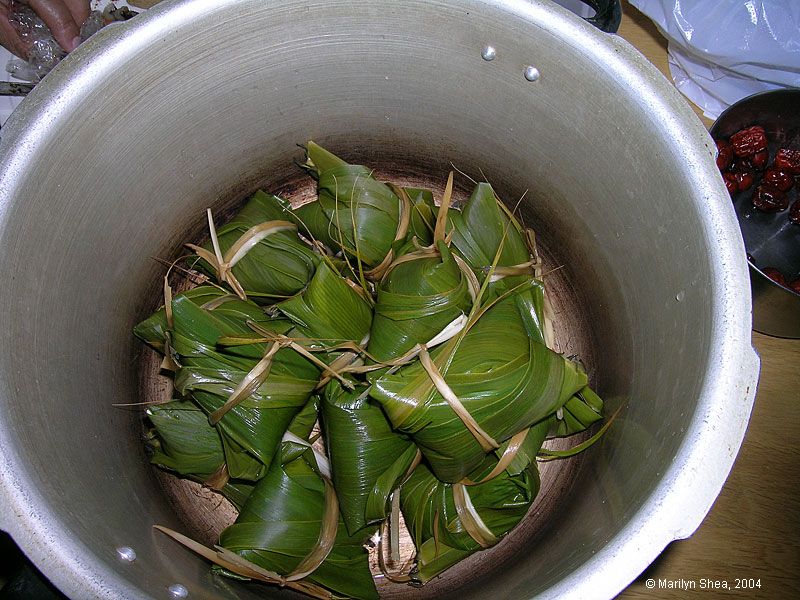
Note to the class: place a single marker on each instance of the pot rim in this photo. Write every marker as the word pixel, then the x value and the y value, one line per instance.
pixel 685 493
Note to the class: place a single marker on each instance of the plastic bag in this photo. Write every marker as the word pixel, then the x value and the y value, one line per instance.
pixel 721 51
pixel 45 53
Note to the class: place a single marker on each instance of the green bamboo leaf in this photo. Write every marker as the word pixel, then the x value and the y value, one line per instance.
pixel 190 447
pixel 186 443
pixel 240 462
pixel 526 455
pixel 280 525
pixel 415 301
pixel 329 310
pixel 530 304
pixel 319 160
pixel 578 413
pixel 153 329
pixel 303 423
pixel 198 329
pixel 423 215
pixel 313 222
pixel 482 227
pixel 259 421
pixel 210 374
pixel 354 212
pixel 506 380
pixel 237 493
pixel 368 459
pixel 279 265
pixel 440 534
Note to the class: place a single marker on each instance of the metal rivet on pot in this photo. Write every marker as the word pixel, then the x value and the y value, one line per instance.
pixel 488 53
pixel 126 553
pixel 176 590
pixel 531 73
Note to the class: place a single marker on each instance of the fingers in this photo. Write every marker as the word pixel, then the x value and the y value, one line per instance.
pixel 9 38
pixel 59 18
pixel 79 9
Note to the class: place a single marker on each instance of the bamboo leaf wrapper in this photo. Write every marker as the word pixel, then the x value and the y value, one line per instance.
pixel 368 458
pixel 280 525
pixel 411 342
pixel 279 265
pixel 506 380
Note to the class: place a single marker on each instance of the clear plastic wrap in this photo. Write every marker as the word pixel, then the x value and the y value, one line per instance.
pixel 721 51
pixel 45 52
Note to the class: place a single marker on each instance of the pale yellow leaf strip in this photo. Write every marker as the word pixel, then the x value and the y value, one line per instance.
pixel 168 363
pixel 250 238
pixel 218 479
pixel 328 369
pixel 473 284
pixel 168 302
pixel 394 527
pixel 212 229
pixel 399 575
pixel 470 519
pixel 441 217
pixel 510 453
pixel 427 252
pixel 241 566
pixel 246 242
pixel 217 302
pixel 327 536
pixel 249 383
pixel 484 439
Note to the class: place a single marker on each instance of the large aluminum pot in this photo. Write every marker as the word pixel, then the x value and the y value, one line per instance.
pixel 114 157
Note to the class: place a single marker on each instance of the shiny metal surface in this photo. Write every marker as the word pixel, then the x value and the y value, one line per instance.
pixel 113 158
pixel 770 238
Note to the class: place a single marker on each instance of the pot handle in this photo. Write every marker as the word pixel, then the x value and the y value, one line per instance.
pixel 608 14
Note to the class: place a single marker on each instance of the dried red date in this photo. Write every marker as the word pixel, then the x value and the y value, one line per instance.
pixel 744 180
pixel 775 275
pixel 724 154
pixel 743 174
pixel 795 286
pixel 788 160
pixel 748 142
pixel 778 179
pixel 731 183
pixel 759 159
pixel 769 200
pixel 794 213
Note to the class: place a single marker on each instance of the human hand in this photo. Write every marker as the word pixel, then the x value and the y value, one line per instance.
pixel 63 17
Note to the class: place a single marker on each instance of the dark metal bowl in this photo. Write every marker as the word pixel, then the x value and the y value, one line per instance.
pixel 770 238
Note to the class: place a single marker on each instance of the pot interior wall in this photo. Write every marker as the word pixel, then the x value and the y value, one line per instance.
pixel 150 137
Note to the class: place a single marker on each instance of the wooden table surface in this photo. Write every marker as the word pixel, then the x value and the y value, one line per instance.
pixel 753 529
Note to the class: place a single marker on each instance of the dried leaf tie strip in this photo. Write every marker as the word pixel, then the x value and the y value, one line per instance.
pixel 484 439
pixel 514 444
pixel 327 536
pixel 470 518
pixel 241 566
pixel 249 384
pixel 246 242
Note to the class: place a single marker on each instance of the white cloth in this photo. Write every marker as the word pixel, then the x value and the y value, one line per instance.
pixel 721 51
